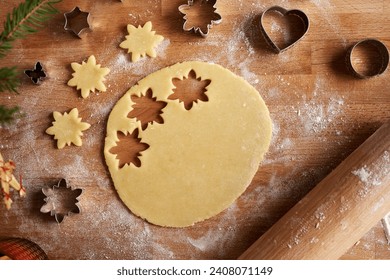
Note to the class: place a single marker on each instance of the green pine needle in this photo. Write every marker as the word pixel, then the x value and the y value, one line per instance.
pixel 7 115
pixel 9 79
pixel 25 19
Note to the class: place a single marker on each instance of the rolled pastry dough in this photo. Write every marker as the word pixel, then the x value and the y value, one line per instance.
pixel 199 160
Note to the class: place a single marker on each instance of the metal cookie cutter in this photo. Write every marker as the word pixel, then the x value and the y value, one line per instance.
pixel 207 7
pixel 37 74
pixel 61 200
pixel 76 21
pixel 297 13
pixel 377 59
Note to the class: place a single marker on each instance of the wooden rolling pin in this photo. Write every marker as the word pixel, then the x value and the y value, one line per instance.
pixel 333 216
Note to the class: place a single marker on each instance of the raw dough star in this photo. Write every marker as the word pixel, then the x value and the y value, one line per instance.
pixel 88 76
pixel 141 41
pixel 67 128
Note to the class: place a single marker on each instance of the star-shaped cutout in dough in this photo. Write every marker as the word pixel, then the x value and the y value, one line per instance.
pixel 129 148
pixel 76 21
pixel 88 76
pixel 141 41
pixel 147 109
pixel 67 128
pixel 190 90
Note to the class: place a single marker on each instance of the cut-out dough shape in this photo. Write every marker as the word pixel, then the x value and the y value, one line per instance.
pixel 88 76
pixel 190 90
pixel 199 160
pixel 67 128
pixel 123 152
pixel 147 109
pixel 141 41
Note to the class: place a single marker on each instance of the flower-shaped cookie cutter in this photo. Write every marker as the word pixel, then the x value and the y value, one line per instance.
pixel 77 21
pixel 61 200
pixel 210 5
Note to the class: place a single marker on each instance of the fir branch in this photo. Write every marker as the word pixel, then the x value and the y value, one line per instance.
pixel 9 79
pixel 7 115
pixel 25 19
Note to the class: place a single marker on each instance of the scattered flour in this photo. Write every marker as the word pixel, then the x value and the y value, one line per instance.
pixel 363 174
pixel 331 17
pixel 371 175
pixel 218 238
pixel 100 204
pixel 316 116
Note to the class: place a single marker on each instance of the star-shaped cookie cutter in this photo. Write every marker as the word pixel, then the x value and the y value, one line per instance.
pixel 37 74
pixel 77 21
pixel 61 200
pixel 216 17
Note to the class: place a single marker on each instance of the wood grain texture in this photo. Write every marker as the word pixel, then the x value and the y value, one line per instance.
pixel 333 216
pixel 319 111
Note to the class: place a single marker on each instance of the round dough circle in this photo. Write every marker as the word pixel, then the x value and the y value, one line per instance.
pixel 199 160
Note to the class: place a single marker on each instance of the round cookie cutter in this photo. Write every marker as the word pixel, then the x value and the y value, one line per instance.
pixel 376 63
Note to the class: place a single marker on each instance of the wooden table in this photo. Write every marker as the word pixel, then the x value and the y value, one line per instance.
pixel 320 115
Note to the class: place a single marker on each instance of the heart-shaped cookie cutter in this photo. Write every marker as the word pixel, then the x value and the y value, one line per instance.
pixel 284 12
pixel 381 61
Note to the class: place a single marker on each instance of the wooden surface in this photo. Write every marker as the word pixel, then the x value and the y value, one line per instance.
pixel 329 219
pixel 320 115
